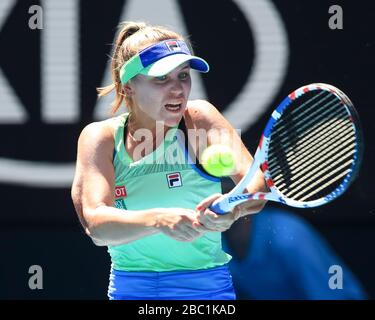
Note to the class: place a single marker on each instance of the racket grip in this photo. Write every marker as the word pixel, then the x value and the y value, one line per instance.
pixel 220 207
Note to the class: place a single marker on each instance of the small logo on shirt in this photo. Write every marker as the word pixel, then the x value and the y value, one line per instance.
pixel 120 192
pixel 174 180
pixel 120 204
pixel 173 46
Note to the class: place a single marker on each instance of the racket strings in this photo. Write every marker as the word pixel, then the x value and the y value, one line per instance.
pixel 313 172
pixel 323 113
pixel 304 107
pixel 316 173
pixel 304 125
pixel 312 147
pixel 288 144
pixel 306 168
pixel 332 176
pixel 294 114
pixel 293 126
pixel 294 149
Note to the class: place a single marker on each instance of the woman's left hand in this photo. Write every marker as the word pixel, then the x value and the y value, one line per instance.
pixel 212 221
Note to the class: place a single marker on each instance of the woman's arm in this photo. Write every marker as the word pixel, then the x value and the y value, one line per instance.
pixel 201 115
pixel 93 197
pixel 93 192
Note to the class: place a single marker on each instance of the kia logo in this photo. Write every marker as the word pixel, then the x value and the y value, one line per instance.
pixel 42 99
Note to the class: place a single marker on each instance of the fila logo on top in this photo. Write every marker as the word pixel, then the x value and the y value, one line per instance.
pixel 174 180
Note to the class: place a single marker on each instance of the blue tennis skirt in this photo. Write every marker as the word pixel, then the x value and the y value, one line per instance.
pixel 208 284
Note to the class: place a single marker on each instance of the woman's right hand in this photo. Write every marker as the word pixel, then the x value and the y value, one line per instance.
pixel 179 224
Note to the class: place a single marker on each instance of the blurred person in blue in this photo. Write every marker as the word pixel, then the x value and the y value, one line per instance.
pixel 278 255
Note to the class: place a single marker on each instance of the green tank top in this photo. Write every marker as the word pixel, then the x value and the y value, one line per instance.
pixel 162 179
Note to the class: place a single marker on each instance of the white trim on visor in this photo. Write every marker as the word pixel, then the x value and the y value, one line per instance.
pixel 169 63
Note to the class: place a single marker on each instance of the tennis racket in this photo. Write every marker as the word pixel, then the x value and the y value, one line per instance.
pixel 310 151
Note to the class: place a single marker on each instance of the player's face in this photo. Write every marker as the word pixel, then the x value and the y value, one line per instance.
pixel 162 98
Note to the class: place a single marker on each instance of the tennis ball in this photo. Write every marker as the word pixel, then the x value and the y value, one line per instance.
pixel 218 160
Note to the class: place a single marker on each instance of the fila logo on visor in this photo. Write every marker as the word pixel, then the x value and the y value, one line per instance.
pixel 173 46
pixel 174 180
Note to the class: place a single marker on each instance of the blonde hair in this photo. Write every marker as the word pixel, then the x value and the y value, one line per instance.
pixel 132 38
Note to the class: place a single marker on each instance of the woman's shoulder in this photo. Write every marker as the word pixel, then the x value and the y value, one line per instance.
pixel 199 108
pixel 101 131
pixel 201 113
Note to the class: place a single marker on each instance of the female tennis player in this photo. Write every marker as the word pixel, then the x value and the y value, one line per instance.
pixel 139 188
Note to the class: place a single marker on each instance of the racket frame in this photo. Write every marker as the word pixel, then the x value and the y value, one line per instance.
pixel 225 203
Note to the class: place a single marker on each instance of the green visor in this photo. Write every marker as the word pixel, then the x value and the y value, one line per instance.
pixel 159 59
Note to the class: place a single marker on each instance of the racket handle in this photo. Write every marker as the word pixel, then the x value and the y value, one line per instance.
pixel 227 203
pixel 220 206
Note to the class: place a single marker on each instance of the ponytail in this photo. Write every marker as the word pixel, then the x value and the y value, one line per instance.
pixel 118 59
pixel 131 39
